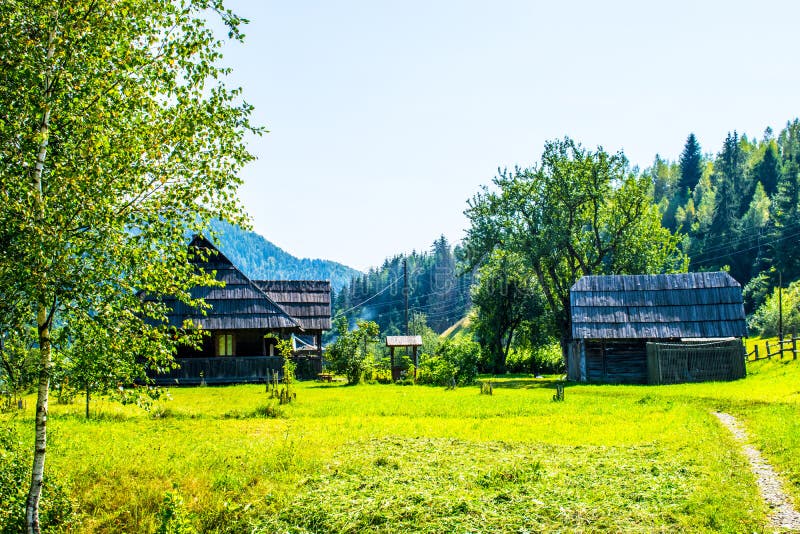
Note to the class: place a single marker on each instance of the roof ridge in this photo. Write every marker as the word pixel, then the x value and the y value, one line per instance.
pixel 249 280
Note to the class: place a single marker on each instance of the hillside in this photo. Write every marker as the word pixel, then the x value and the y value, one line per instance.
pixel 260 259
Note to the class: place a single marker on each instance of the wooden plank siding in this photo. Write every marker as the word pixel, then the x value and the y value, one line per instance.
pixel 616 362
pixel 615 316
pixel 252 316
pixel 234 370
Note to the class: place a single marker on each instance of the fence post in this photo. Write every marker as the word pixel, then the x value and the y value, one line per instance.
pixel 780 346
pixel 769 352
pixel 756 352
pixel 794 346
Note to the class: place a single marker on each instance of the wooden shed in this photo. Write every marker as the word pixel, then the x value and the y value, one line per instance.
pixel 245 320
pixel 656 328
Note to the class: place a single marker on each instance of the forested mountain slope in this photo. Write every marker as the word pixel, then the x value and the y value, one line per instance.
pixel 436 290
pixel 259 259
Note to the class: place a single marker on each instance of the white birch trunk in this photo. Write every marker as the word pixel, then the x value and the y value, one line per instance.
pixel 37 475
pixel 44 312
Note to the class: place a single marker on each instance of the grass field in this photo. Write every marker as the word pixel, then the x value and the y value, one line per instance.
pixel 413 458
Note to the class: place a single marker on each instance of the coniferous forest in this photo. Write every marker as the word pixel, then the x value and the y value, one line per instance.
pixel 436 288
pixel 737 209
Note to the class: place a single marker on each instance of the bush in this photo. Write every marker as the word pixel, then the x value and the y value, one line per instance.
pixel 540 359
pixel 381 376
pixel 349 354
pixel 173 516
pixel 454 360
pixel 56 510
pixel 764 321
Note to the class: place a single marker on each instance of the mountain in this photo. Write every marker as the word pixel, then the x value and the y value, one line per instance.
pixel 259 259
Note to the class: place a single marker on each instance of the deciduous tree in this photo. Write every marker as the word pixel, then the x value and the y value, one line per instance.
pixel 117 138
pixel 577 213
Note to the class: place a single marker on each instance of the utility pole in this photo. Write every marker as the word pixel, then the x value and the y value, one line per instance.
pixel 780 308
pixel 405 288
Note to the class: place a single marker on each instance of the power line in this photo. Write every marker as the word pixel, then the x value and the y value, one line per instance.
pixel 348 310
pixel 741 239
pixel 731 253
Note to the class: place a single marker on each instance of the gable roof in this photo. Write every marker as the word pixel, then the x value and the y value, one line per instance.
pixel 403 341
pixel 240 304
pixel 662 306
pixel 307 301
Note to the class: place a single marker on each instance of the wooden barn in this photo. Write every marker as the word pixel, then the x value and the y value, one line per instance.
pixel 245 320
pixel 656 329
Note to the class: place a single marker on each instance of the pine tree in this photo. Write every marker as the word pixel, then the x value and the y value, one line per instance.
pixel 767 170
pixel 729 168
pixel 691 163
pixel 786 205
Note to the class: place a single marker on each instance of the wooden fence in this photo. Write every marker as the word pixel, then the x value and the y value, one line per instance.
pixel 693 361
pixel 234 370
pixel 787 345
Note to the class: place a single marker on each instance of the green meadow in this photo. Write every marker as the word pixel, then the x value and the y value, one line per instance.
pixel 390 458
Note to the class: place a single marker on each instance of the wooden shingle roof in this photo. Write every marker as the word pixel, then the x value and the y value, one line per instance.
pixel 662 306
pixel 240 304
pixel 307 301
pixel 403 341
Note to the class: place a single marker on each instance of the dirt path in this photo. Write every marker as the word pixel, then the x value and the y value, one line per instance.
pixel 784 516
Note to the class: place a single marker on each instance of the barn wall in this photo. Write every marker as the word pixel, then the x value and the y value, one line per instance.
pixel 616 361
pixel 574 361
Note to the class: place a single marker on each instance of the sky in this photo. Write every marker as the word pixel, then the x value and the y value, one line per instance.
pixel 385 117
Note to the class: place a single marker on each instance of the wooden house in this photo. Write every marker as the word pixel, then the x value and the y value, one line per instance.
pixel 656 328
pixel 245 320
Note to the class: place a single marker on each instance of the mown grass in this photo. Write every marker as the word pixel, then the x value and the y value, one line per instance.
pixel 399 459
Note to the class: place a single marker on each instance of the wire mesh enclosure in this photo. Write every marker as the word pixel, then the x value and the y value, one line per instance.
pixel 695 361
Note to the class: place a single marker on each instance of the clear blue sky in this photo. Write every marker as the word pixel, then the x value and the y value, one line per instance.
pixel 386 116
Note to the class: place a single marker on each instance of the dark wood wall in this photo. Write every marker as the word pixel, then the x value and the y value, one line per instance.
pixel 247 343
pixel 616 361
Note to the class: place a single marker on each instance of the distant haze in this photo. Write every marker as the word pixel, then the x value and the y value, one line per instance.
pixel 385 117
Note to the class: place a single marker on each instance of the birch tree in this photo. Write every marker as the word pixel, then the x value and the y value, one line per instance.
pixel 118 136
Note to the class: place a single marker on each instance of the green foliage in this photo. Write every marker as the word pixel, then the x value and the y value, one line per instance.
pixel 507 300
pixel 578 213
pixel 119 137
pixel 543 357
pixel 418 326
pixel 57 508
pixel 764 321
pixel 173 517
pixel 350 353
pixel 454 362
pixel 142 396
pixel 741 216
pixel 18 363
pixel 691 165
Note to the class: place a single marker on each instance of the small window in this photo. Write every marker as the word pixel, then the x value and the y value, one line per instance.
pixel 225 345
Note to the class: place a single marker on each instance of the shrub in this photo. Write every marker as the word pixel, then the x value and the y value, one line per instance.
pixel 56 510
pixel 454 360
pixel 381 376
pixel 349 354
pixel 544 358
pixel 173 516
pixel 765 319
